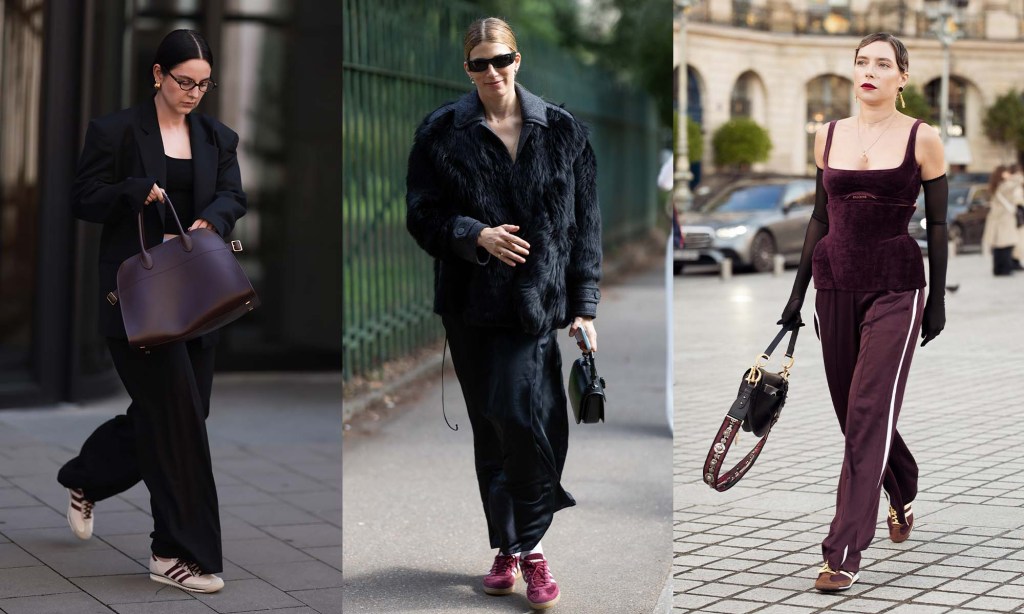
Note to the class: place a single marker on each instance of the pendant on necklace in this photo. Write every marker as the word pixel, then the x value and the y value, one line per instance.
pixel 864 156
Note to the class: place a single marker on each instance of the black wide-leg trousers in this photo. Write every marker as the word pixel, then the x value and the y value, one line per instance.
pixel 513 387
pixel 162 440
pixel 867 341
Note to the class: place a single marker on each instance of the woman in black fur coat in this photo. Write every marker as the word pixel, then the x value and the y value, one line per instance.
pixel 502 193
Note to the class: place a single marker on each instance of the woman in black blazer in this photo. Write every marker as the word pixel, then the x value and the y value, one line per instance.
pixel 130 162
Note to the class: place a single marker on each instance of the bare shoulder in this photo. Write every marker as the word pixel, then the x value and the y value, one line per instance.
pixel 928 137
pixel 929 152
pixel 928 142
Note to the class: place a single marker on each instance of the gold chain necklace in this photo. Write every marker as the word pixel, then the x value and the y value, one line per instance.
pixel 864 152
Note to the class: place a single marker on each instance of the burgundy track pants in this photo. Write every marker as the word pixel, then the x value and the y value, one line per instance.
pixel 867 339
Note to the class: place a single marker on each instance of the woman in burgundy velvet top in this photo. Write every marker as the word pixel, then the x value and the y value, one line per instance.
pixel 869 305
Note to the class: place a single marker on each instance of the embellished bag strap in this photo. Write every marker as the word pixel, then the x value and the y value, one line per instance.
pixel 716 455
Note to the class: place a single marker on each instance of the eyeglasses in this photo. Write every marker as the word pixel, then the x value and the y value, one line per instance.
pixel 498 61
pixel 188 84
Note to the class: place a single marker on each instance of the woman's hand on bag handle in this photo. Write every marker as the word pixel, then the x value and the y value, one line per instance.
pixel 587 324
pixel 501 243
pixel 201 223
pixel 155 193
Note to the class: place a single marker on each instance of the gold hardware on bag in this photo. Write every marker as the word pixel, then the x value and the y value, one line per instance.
pixel 111 298
pixel 785 368
pixel 754 374
pixel 236 246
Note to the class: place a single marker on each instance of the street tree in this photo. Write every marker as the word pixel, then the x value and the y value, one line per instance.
pixel 917 106
pixel 739 143
pixel 1004 122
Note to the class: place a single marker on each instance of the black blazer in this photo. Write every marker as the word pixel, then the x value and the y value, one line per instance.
pixel 122 158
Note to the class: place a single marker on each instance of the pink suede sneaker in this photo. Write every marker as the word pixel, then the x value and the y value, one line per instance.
pixel 502 578
pixel 541 589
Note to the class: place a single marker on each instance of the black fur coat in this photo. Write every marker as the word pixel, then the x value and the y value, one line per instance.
pixel 462 179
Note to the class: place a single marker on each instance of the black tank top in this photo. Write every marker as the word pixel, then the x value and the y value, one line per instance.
pixel 867 247
pixel 179 188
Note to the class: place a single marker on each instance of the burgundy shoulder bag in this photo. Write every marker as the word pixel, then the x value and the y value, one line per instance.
pixel 183 288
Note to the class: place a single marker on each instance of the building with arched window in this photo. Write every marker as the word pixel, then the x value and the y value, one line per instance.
pixel 788 65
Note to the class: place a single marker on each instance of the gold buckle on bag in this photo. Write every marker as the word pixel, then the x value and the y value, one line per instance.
pixel 754 374
pixel 785 368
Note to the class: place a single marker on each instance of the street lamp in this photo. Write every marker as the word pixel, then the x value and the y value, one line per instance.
pixel 681 190
pixel 945 16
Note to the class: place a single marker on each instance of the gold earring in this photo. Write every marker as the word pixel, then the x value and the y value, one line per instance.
pixel 903 103
pixel 156 85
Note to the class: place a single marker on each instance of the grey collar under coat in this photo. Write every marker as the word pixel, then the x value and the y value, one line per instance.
pixel 469 109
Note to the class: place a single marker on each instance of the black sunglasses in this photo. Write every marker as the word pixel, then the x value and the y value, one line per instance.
pixel 498 61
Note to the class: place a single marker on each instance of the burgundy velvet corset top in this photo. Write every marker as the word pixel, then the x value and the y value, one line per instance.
pixel 867 247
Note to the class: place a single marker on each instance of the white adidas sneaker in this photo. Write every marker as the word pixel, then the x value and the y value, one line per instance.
pixel 183 574
pixel 79 513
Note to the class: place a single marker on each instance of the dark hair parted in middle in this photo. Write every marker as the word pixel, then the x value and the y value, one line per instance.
pixel 902 55
pixel 181 46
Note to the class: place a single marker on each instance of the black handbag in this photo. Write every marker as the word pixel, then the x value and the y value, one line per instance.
pixel 1020 216
pixel 756 409
pixel 586 390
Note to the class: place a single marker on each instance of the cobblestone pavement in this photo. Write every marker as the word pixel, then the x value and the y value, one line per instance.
pixel 756 548
pixel 276 444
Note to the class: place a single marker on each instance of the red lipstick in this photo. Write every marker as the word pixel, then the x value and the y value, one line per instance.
pixel 867 86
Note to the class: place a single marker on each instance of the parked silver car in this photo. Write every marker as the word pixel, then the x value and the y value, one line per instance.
pixel 749 222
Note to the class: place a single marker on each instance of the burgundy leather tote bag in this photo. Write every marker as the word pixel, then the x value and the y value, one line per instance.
pixel 183 288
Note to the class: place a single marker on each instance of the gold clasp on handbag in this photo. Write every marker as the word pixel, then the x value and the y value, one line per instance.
pixel 111 298
pixel 785 368
pixel 754 374
pixel 236 246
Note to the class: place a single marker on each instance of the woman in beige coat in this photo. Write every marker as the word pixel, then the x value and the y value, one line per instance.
pixel 1001 235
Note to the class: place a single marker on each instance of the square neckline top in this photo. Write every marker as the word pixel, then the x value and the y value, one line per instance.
pixel 897 185
pixel 911 148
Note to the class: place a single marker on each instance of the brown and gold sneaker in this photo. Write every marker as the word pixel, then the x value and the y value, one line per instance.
pixel 831 581
pixel 900 531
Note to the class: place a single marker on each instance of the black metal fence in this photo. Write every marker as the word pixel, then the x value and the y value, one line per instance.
pixel 402 60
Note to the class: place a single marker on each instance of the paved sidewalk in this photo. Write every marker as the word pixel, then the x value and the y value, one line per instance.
pixel 415 538
pixel 756 548
pixel 276 450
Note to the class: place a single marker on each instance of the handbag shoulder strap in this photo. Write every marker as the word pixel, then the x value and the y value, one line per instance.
pixel 778 339
pixel 720 448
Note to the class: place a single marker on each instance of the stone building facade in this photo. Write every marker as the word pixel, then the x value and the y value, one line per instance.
pixel 789 66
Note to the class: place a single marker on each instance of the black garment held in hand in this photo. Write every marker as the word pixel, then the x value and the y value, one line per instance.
pixel 501 320
pixel 162 437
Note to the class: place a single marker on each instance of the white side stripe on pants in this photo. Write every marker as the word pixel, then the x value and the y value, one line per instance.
pixel 895 385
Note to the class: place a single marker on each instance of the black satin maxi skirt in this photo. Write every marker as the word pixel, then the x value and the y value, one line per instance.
pixel 516 400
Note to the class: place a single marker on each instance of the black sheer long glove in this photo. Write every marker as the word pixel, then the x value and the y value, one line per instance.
pixel 816 229
pixel 936 197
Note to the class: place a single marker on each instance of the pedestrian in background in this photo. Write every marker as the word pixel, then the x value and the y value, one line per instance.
pixel 132 159
pixel 502 193
pixel 869 307
pixel 1001 236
